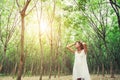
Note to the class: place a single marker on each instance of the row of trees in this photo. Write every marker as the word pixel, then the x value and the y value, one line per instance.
pixel 34 35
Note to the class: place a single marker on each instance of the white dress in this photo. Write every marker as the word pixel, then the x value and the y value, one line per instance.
pixel 80 69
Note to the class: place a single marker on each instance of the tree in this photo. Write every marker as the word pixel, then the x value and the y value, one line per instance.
pixel 40 39
pixel 51 19
pixel 22 56
pixel 7 30
pixel 116 8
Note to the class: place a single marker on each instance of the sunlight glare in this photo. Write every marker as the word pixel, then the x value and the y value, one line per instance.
pixel 43 26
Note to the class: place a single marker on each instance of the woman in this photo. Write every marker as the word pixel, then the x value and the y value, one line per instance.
pixel 80 69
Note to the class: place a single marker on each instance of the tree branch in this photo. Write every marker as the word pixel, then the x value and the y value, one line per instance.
pixel 25 7
pixel 32 8
pixel 1 31
pixel 115 4
pixel 116 11
pixel 18 4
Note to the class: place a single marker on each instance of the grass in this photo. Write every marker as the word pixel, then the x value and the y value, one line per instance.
pixel 93 77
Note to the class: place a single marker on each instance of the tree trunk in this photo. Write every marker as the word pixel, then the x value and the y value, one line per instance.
pixel 32 68
pixel 41 66
pixel 14 70
pixel 50 73
pixel 24 70
pixel 94 70
pixel 98 69
pixel 22 55
pixel 103 71
pixel 55 69
pixel 58 70
pixel 44 71
pixel 51 52
pixel 111 70
pixel 51 40
pixel 40 42
pixel 56 59
pixel 22 58
pixel 119 22
pixel 1 67
pixel 4 57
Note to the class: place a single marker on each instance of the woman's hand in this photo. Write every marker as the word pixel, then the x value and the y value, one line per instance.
pixel 69 47
pixel 85 47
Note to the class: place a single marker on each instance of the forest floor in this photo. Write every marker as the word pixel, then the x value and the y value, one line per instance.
pixel 93 77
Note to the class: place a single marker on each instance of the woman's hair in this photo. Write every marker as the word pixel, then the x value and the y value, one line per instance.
pixel 80 43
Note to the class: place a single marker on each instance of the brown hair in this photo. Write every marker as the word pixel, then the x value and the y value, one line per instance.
pixel 80 43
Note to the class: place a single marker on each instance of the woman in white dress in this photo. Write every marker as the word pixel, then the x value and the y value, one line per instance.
pixel 80 69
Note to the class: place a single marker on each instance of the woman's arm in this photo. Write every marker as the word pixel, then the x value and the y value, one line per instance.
pixel 69 47
pixel 85 47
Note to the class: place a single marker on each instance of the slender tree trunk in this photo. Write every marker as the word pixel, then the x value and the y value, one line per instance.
pixel 56 58
pixel 24 70
pixel 4 57
pixel 111 65
pixel 22 55
pixel 94 70
pixel 98 69
pixel 119 22
pixel 58 70
pixel 1 67
pixel 1 39
pixel 59 47
pixel 51 52
pixel 44 71
pixel 32 68
pixel 111 70
pixel 41 65
pixel 40 42
pixel 50 73
pixel 22 58
pixel 16 64
pixel 103 71
pixel 51 40
pixel 14 69
pixel 55 69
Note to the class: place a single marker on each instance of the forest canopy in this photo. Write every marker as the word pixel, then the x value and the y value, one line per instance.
pixel 34 35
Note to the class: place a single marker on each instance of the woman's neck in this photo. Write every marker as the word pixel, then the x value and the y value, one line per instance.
pixel 78 49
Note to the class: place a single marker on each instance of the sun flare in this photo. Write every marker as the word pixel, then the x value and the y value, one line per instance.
pixel 43 26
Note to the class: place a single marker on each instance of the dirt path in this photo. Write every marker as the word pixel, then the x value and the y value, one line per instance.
pixel 93 77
